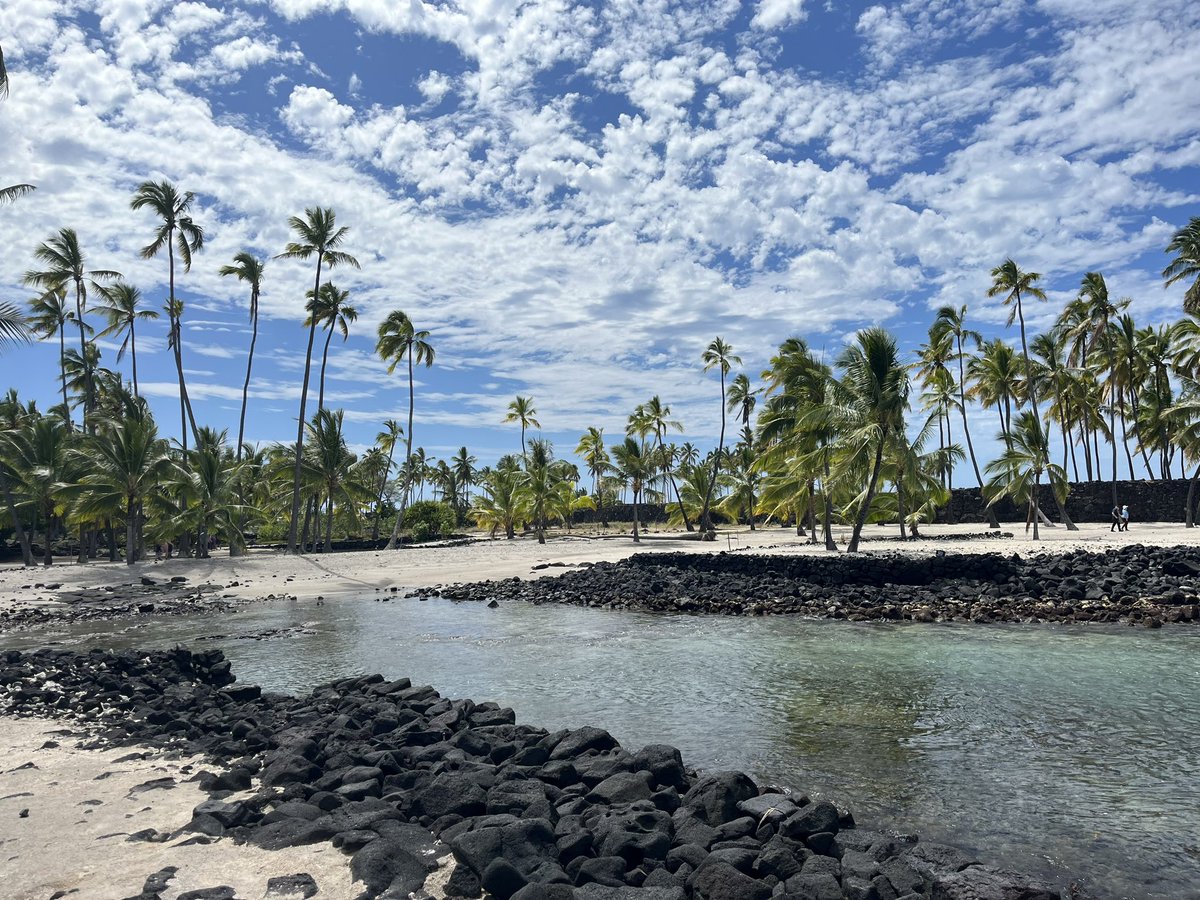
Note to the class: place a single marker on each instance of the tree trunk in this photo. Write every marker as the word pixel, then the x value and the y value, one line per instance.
pixel 827 526
pixel 312 333
pixel 670 475
pixel 866 507
pixel 325 548
pixel 324 361
pixel 382 488
pixel 993 522
pixel 62 370
pixel 706 524
pixel 18 527
pixel 1037 483
pixel 636 536
pixel 130 532
pixel 133 355
pixel 900 511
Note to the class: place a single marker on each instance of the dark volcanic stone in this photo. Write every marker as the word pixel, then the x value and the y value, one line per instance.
pixel 301 885
pixel 714 798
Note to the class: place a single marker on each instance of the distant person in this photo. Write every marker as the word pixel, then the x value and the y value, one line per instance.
pixel 1125 517
pixel 1116 519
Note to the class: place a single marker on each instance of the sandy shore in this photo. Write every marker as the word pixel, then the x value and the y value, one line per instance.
pixel 262 573
pixel 83 804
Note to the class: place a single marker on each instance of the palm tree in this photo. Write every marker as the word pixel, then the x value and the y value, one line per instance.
pixel 399 340
pixel 499 502
pixel 3 76
pixel 658 416
pixel 1009 280
pixel 1092 313
pixel 124 463
pixel 953 321
pixel 37 453
pixel 463 466
pixel 867 405
pixel 1185 244
pixel 178 233
pixel 330 308
pixel 387 440
pixel 996 382
pixel 637 468
pixel 49 315
pixel 14 327
pixel 595 457
pixel 66 265
pixel 319 236
pixel 120 308
pixel 522 410
pixel 717 355
pixel 248 268
pixel 331 462
pixel 1019 470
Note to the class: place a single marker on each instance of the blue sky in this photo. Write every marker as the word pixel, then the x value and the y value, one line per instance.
pixel 575 198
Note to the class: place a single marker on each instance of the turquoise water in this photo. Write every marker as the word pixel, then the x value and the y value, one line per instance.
pixel 1068 752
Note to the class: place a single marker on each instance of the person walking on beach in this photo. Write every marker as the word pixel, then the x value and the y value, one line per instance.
pixel 1125 517
pixel 1116 519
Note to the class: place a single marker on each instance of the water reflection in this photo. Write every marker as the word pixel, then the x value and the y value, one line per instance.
pixel 1045 748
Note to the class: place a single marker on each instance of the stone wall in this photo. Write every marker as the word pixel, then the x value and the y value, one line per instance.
pixel 1089 501
pixel 621 512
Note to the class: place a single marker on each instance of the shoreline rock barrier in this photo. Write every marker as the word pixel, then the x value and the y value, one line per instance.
pixel 1135 584
pixel 397 776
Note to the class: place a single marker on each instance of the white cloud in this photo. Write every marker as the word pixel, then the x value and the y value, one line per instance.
pixel 772 14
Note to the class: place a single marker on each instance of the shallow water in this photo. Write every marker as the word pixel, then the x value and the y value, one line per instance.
pixel 1054 750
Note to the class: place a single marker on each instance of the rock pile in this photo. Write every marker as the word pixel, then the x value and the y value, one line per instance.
pixel 1134 584
pixel 396 775
pixel 157 596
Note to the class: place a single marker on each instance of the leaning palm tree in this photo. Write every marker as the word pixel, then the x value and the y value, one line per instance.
pixel 1019 470
pixel 65 264
pixel 400 340
pixel 248 268
pixel 1185 244
pixel 330 309
pixel 717 355
pixel 120 308
pixel 867 406
pixel 319 236
pixel 177 232
pixel 522 410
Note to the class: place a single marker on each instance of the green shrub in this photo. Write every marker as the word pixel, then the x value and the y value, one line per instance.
pixel 428 519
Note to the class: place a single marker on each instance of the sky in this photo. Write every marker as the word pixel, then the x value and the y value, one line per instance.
pixel 575 198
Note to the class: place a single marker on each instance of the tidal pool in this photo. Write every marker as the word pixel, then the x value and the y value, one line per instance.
pixel 1060 751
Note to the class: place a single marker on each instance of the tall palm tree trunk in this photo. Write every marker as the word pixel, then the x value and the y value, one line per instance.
pixel 133 356
pixel 1037 484
pixel 637 539
pixel 246 388
pixel 328 524
pixel 87 370
pixel 1125 438
pixel 18 527
pixel 993 522
pixel 62 371
pixel 707 530
pixel 827 527
pixel 382 488
pixel 1189 513
pixel 408 478
pixel 312 333
pixel 1112 413
pixel 324 360
pixel 856 535
pixel 131 530
pixel 812 511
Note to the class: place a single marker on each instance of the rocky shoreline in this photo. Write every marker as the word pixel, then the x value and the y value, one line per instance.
pixel 1134 584
pixel 397 777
